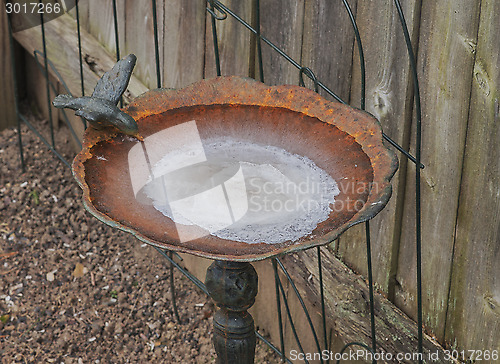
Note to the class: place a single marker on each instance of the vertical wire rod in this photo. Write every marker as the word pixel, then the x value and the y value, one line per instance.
pixel 287 309
pixel 49 105
pixel 78 29
pixel 311 75
pixel 278 306
pixel 304 308
pixel 158 85
pixel 172 289
pixel 322 294
pixel 360 50
pixel 367 224
pixel 370 286
pixel 259 44
pixel 214 36
pixel 44 141
pixel 117 39
pixel 54 89
pixel 80 54
pixel 418 147
pixel 16 99
pixel 157 48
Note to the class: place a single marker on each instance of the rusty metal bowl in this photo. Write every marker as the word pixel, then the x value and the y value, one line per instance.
pixel 345 142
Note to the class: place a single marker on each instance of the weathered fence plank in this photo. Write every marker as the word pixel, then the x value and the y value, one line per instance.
pixel 473 321
pixel 234 42
pixel 100 23
pixel 38 95
pixel 62 49
pixel 388 97
pixel 7 109
pixel 183 39
pixel 327 44
pixel 139 39
pixel 281 22
pixel 446 59
pixel 347 311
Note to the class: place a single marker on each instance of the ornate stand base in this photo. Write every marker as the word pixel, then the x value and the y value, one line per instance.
pixel 233 286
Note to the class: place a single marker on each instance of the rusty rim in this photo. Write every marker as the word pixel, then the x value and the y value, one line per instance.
pixel 318 124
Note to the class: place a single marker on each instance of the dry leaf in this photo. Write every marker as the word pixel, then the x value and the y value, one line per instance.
pixel 79 270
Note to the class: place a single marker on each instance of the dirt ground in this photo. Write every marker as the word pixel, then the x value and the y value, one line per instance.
pixel 73 290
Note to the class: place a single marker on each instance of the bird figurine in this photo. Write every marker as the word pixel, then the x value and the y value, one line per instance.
pixel 101 109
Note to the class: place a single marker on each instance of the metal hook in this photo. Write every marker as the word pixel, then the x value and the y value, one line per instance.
pixel 215 5
pixel 309 73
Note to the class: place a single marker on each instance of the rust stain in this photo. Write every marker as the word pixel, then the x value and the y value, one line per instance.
pixel 345 142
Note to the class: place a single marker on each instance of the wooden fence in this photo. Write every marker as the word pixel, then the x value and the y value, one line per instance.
pixel 458 60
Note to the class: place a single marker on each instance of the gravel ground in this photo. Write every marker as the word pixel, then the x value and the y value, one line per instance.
pixel 73 290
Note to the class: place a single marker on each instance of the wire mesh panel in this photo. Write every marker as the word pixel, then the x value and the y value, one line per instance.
pixel 219 13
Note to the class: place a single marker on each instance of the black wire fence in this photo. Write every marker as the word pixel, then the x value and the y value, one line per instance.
pixel 220 12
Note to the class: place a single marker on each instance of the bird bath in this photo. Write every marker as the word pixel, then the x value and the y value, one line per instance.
pixel 226 127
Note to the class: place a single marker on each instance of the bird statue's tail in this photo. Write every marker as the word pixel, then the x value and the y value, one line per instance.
pixel 62 101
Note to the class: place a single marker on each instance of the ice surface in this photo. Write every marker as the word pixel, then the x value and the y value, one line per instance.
pixel 244 191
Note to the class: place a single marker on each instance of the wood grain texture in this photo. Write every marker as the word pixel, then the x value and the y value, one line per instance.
pixel 474 305
pixel 389 97
pixel 346 306
pixel 183 40
pixel 264 311
pixel 347 309
pixel 181 33
pixel 38 95
pixel 139 39
pixel 100 23
pixel 446 61
pixel 282 23
pixel 234 42
pixel 83 10
pixel 7 109
pixel 63 52
pixel 327 46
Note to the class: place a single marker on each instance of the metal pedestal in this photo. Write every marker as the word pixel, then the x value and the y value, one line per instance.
pixel 233 286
